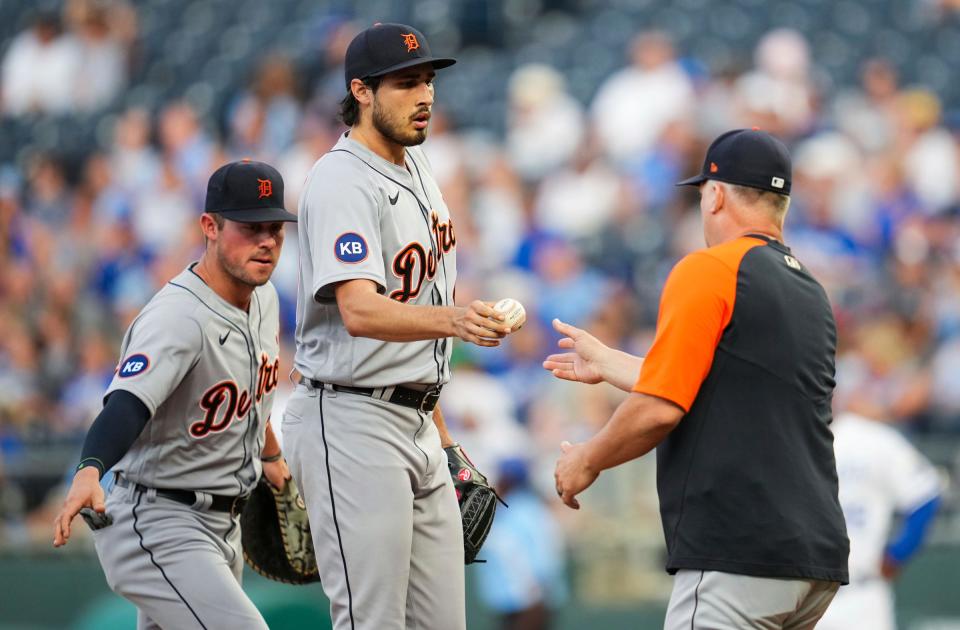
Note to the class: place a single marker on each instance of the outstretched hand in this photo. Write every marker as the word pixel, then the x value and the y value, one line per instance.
pixel 85 492
pixel 583 365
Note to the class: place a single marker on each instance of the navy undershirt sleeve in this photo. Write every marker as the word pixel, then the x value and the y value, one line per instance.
pixel 114 431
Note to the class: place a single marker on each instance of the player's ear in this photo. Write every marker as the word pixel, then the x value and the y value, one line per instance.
pixel 361 91
pixel 208 225
pixel 719 196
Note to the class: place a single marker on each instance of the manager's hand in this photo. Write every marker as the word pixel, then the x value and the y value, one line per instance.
pixel 584 364
pixel 573 474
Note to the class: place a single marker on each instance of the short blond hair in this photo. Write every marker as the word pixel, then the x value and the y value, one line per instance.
pixel 776 203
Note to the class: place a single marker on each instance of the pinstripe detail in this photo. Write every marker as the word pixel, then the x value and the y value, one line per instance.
pixel 333 510
pixel 156 564
pixel 696 601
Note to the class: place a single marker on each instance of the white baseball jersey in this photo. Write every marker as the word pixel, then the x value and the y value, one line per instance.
pixel 364 217
pixel 881 474
pixel 207 371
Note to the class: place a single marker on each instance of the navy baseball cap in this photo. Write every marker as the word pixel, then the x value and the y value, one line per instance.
pixel 386 47
pixel 248 192
pixel 747 157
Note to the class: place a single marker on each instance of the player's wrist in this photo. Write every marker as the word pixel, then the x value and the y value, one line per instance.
pixel 456 314
pixel 269 459
pixel 90 467
pixel 611 361
pixel 588 458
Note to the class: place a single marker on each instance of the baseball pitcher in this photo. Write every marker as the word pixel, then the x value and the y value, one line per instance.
pixel 375 313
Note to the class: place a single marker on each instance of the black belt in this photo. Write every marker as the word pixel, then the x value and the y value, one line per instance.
pixel 219 502
pixel 421 400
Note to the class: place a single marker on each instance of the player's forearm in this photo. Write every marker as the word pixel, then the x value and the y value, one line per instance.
pixel 445 438
pixel 271 446
pixel 113 431
pixel 637 426
pixel 377 317
pixel 621 369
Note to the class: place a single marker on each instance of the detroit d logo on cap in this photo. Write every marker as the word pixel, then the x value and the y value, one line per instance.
pixel 265 188
pixel 410 39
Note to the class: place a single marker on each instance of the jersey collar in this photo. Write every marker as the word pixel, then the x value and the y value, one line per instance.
pixel 770 241
pixel 189 280
pixel 349 144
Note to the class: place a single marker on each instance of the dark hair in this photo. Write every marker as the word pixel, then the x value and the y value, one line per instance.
pixel 350 107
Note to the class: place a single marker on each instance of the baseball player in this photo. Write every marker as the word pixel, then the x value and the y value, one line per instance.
pixel 881 475
pixel 375 313
pixel 186 420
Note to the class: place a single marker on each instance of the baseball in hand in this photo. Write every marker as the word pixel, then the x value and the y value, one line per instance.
pixel 515 315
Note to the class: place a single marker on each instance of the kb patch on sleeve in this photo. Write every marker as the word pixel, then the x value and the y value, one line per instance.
pixel 350 248
pixel 133 365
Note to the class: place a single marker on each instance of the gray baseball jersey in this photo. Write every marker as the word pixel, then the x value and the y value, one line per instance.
pixel 364 217
pixel 207 371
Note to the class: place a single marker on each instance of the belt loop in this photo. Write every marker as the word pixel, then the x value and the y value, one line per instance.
pixel 386 393
pixel 129 489
pixel 308 383
pixel 202 500
pixel 151 493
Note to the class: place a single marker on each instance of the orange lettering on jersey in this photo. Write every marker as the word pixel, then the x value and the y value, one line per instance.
pixel 443 233
pixel 414 263
pixel 224 402
pixel 410 266
pixel 224 393
pixel 244 405
pixel 268 376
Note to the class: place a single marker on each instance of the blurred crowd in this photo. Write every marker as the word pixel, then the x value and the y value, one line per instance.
pixel 572 211
pixel 74 62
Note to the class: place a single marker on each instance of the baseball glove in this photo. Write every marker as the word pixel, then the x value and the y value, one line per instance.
pixel 276 534
pixel 478 501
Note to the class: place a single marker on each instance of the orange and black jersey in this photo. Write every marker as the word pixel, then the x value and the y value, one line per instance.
pixel 745 344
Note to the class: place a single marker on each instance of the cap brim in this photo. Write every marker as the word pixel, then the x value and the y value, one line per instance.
pixel 437 62
pixel 696 180
pixel 258 215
